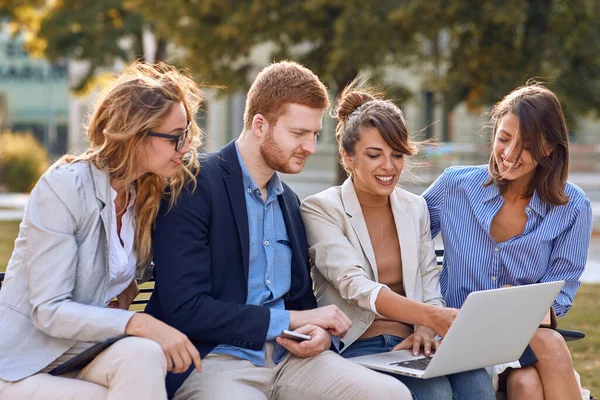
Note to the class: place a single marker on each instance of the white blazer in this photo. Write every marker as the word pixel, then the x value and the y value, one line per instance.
pixel 342 257
pixel 56 283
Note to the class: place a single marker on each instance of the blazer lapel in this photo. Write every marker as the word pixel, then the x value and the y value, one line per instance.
pixel 407 235
pixel 357 219
pixel 299 265
pixel 101 181
pixel 237 199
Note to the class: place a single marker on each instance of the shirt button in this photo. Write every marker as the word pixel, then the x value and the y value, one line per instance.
pixel 266 208
pixel 268 281
pixel 266 242
pixel 257 191
pixel 249 190
pixel 494 278
pixel 496 249
pixel 528 209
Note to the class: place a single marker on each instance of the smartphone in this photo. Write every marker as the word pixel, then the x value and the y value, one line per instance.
pixel 299 337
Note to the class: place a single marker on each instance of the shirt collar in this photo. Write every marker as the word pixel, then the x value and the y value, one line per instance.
pixel 274 185
pixel 132 195
pixel 490 192
pixel 536 203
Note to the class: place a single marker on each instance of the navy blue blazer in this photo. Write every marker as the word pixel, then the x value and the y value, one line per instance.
pixel 201 249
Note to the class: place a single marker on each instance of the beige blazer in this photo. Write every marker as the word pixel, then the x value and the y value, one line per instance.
pixel 56 281
pixel 342 258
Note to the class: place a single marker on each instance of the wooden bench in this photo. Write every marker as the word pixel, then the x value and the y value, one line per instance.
pixel 146 291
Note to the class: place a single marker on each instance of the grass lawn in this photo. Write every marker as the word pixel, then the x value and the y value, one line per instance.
pixel 8 234
pixel 584 316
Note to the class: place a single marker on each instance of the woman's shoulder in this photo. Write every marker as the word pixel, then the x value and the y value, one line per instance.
pixel 408 197
pixel 577 197
pixel 467 173
pixel 72 183
pixel 71 175
pixel 329 200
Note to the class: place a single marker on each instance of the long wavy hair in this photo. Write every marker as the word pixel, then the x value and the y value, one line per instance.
pixel 128 109
pixel 542 125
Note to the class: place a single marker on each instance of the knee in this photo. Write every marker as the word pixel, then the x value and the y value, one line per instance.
pixel 549 345
pixel 143 352
pixel 436 388
pixel 476 384
pixel 524 382
pixel 387 387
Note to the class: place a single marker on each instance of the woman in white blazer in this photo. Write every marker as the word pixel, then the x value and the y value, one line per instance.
pixel 371 250
pixel 85 234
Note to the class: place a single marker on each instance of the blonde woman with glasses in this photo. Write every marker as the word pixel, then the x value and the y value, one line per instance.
pixel 85 236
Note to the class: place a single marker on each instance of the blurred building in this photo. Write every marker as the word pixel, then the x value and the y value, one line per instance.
pixel 34 94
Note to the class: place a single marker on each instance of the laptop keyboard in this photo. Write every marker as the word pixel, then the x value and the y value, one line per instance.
pixel 418 364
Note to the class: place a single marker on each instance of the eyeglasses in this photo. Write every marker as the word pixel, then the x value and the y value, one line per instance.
pixel 179 139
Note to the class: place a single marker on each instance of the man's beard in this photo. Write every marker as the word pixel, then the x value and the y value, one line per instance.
pixel 273 155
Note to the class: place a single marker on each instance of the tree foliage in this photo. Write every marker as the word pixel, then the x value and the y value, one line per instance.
pixel 98 32
pixel 334 38
pixel 487 48
pixel 470 50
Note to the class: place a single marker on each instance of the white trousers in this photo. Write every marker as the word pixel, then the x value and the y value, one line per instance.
pixel 132 368
pixel 326 376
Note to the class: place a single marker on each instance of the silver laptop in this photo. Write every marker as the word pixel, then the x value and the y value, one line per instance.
pixel 493 327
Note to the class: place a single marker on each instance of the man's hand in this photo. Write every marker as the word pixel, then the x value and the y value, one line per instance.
pixel 439 319
pixel 330 318
pixel 126 297
pixel 422 337
pixel 319 342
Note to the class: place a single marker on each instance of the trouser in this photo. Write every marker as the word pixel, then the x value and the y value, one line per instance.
pixel 323 377
pixel 476 384
pixel 132 368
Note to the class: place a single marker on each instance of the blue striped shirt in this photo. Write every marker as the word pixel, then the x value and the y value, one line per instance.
pixel 553 245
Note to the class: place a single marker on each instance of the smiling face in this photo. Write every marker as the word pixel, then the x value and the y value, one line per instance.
pixel 158 155
pixel 507 145
pixel 287 144
pixel 375 166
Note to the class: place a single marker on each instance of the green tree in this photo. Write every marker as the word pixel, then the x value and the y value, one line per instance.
pixel 470 50
pixel 99 32
pixel 483 49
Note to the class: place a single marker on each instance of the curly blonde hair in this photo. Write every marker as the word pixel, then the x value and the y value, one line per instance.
pixel 128 109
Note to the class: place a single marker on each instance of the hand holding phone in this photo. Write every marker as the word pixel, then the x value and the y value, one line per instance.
pixel 299 337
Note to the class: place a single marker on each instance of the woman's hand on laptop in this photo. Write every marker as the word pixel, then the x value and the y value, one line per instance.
pixel 319 342
pixel 422 337
pixel 439 319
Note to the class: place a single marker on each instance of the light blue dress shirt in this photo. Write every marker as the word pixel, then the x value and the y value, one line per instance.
pixel 270 263
pixel 553 246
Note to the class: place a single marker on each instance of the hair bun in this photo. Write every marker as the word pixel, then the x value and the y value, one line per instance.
pixel 349 101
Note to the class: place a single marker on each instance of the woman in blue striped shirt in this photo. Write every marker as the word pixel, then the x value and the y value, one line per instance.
pixel 517 221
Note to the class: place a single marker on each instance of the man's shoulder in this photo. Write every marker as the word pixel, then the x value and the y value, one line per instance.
pixel 210 164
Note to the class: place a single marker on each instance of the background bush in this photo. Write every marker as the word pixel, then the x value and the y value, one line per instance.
pixel 23 160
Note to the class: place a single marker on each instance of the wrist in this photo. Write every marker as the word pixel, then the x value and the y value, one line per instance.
pixel 295 317
pixel 428 316
pixel 136 324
